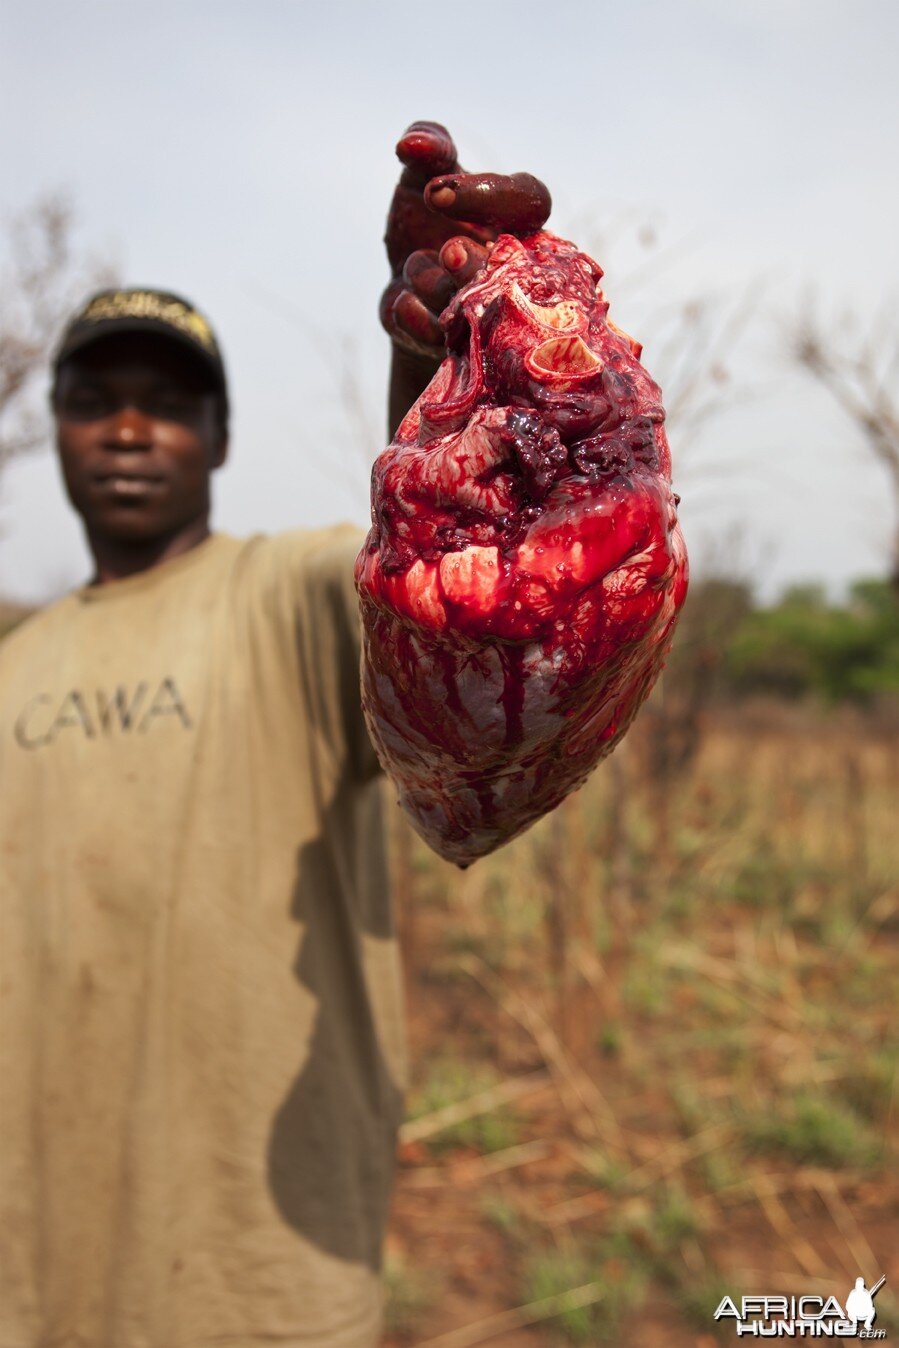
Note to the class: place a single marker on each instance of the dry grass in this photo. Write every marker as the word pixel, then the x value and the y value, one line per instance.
pixel 715 1013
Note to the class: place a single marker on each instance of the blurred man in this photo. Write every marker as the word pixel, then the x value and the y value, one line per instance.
pixel 202 1044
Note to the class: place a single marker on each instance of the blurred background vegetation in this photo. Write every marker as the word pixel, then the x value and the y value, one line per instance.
pixel 802 647
pixel 655 1056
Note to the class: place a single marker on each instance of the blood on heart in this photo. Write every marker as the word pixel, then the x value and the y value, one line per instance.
pixel 524 569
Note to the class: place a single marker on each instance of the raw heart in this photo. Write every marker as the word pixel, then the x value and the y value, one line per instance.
pixel 524 569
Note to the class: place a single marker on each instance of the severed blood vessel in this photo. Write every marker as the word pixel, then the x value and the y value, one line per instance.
pixel 524 569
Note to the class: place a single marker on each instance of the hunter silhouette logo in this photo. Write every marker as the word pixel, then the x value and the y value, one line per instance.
pixel 860 1303
pixel 813 1317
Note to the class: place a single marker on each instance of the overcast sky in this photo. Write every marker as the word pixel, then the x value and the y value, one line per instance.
pixel 243 155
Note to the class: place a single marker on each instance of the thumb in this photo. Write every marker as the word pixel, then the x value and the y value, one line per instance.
pixel 426 149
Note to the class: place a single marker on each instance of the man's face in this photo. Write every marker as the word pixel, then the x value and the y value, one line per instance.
pixel 138 433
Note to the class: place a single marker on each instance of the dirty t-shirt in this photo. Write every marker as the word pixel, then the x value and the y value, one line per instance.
pixel 201 1049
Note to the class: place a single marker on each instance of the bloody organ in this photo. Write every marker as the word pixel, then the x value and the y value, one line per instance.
pixel 524 569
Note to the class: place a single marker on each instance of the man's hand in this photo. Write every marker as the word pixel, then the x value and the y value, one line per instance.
pixel 440 228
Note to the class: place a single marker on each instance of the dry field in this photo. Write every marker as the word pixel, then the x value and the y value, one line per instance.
pixel 654 1048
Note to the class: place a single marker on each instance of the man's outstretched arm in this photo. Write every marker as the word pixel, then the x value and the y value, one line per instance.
pixel 524 568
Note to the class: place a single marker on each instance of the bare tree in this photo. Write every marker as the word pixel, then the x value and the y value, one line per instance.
pixel 861 377
pixel 43 279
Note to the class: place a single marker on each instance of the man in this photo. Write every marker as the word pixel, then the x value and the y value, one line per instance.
pixel 202 1055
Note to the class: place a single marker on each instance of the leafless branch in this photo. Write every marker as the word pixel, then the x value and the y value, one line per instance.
pixel 42 280
pixel 860 377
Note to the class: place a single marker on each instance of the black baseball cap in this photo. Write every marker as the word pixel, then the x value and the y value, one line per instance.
pixel 110 312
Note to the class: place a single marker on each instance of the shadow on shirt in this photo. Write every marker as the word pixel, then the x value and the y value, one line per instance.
pixel 333 1140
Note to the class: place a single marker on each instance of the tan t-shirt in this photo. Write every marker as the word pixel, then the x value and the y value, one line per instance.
pixel 201 1045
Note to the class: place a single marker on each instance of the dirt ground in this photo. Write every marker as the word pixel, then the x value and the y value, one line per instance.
pixel 638 1087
